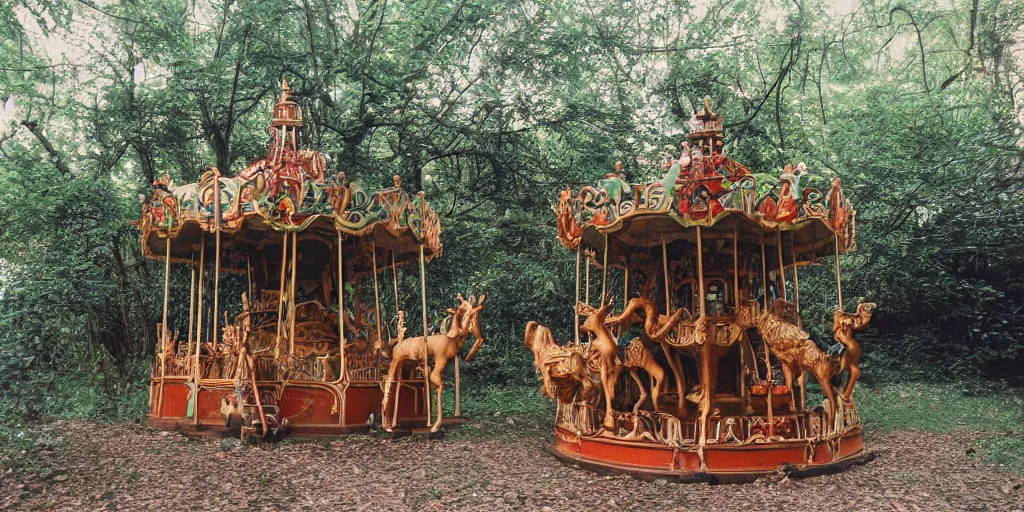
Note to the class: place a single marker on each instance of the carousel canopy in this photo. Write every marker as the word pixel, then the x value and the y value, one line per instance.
pixel 287 192
pixel 705 189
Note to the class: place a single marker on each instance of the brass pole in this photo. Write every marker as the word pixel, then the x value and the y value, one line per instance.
pixel 604 276
pixel 376 297
pixel 764 274
pixel 167 292
pixel 343 373
pixel 216 270
pixel 796 281
pixel 394 278
pixel 576 311
pixel 248 272
pixel 586 289
pixel 664 265
pixel 291 295
pixel 744 399
pixel 458 391
pixel 839 276
pixel 426 348
pixel 782 267
pixel 280 296
pixel 705 349
pixel 625 292
pixel 199 328
pixel 199 300
pixel 799 318
pixel 191 303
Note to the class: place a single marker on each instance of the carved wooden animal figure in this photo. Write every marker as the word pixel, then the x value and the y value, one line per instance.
pixel 636 356
pixel 843 326
pixel 656 327
pixel 563 369
pixel 604 349
pixel 793 348
pixel 411 352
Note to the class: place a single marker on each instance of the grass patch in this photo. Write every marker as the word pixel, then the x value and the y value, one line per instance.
pixel 950 408
pixel 500 412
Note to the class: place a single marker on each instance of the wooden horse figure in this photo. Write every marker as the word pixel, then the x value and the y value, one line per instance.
pixel 843 326
pixel 411 352
pixel 562 368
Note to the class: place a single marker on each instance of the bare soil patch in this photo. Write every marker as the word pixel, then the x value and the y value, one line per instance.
pixel 90 466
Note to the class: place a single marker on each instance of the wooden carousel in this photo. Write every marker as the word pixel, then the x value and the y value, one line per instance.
pixel 308 349
pixel 710 320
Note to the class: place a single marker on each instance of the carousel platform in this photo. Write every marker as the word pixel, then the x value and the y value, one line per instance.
pixel 726 463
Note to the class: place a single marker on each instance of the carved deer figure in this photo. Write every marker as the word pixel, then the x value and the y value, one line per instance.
pixel 843 326
pixel 793 348
pixel 637 356
pixel 562 368
pixel 410 352
pixel 656 327
pixel 604 349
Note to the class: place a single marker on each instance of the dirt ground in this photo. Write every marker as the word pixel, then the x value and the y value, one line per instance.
pixel 89 466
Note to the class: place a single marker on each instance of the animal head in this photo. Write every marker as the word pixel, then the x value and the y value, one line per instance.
pixel 466 320
pixel 595 317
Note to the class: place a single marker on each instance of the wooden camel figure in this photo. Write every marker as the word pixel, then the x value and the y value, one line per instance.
pixel 637 356
pixel 562 368
pixel 410 352
pixel 793 347
pixel 843 326
pixel 656 327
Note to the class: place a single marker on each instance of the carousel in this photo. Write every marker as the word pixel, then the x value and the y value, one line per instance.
pixel 709 327
pixel 307 346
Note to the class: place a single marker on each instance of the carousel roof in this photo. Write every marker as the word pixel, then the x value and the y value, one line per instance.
pixel 705 189
pixel 287 192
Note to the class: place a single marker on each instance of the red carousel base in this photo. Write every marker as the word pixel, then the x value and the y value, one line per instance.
pixel 725 463
pixel 311 408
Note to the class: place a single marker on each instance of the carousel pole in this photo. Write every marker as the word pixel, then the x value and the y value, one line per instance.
pixel 799 318
pixel 191 302
pixel 744 399
pixel 586 289
pixel 796 281
pixel 782 266
pixel 705 349
pixel 196 370
pixel 394 278
pixel 167 292
pixel 342 366
pixel 376 298
pixel 604 277
pixel 839 276
pixel 248 272
pixel 426 354
pixel 664 268
pixel 625 291
pixel 767 358
pixel 291 295
pixel 199 300
pixel 216 270
pixel 673 360
pixel 576 311
pixel 764 275
pixel 280 296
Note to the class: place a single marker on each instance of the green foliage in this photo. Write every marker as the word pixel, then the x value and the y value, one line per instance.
pixel 491 108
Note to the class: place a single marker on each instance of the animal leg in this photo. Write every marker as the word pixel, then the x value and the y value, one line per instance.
pixel 387 421
pixel 787 375
pixel 643 393
pixel 609 389
pixel 854 375
pixel 438 382
pixel 824 376
pixel 678 374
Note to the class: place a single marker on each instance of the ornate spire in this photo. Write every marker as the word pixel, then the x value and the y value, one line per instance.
pixel 706 129
pixel 286 112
